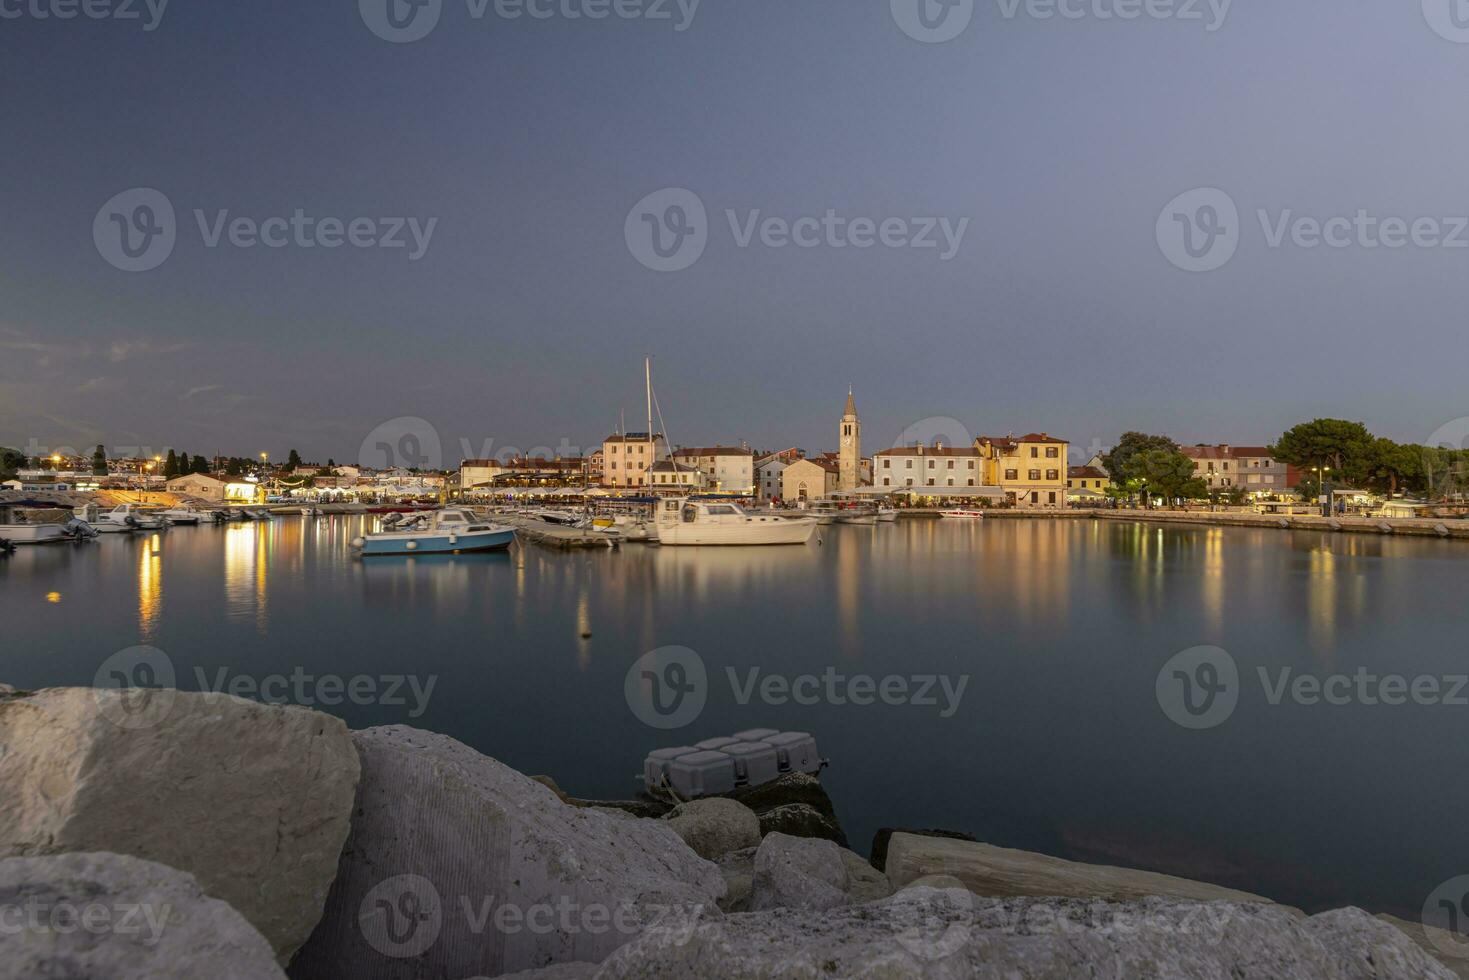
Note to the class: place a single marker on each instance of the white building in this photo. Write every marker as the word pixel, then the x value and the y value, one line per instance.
pixel 727 469
pixel 626 458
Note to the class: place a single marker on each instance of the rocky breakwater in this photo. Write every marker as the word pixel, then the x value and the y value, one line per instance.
pixel 199 836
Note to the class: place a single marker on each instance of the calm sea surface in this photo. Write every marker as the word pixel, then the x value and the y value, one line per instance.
pixel 1058 742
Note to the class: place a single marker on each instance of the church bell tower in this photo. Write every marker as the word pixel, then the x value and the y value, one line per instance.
pixel 849 456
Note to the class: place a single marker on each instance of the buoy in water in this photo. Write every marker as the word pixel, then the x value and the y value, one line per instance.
pixel 412 546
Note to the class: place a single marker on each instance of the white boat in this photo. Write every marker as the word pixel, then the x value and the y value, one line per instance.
pixel 180 515
pixel 887 515
pixel 439 532
pixel 135 516
pixel 963 515
pixel 857 513
pixel 17 528
pixel 101 522
pixel 824 511
pixel 685 521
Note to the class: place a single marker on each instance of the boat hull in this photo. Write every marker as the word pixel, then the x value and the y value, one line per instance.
pixel 767 532
pixel 436 543
pixel 963 515
pixel 858 519
pixel 32 533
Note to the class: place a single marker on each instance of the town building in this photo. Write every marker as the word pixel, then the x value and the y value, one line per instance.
pixel 726 469
pixel 809 479
pixel 1253 469
pixel 768 469
pixel 479 475
pixel 1086 484
pixel 1030 469
pixel 936 466
pixel 670 475
pixel 626 458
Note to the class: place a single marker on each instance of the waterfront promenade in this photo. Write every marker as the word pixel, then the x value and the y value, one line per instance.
pixel 1420 527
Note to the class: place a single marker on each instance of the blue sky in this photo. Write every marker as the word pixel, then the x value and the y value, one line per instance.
pixel 527 142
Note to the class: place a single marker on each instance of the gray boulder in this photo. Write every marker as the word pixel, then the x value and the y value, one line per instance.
pixel 715 826
pixel 947 934
pixel 253 800
pixel 1448 948
pixel 459 866
pixel 863 882
pixel 1000 871
pixel 801 820
pixel 94 915
pixel 798 873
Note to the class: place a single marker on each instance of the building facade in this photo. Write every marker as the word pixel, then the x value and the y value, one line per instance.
pixel 809 479
pixel 674 476
pixel 727 469
pixel 1253 469
pixel 1030 469
pixel 935 466
pixel 626 459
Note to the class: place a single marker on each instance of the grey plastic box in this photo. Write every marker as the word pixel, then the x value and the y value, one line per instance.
pixel 655 767
pixel 796 752
pixel 756 734
pixel 754 762
pixel 702 774
pixel 715 744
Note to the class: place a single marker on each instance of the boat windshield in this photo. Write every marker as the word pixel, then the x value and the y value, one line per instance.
pixel 728 509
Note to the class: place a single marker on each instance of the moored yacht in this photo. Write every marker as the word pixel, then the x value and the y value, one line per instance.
pixel 135 516
pixel 440 532
pixel 687 521
pixel 180 515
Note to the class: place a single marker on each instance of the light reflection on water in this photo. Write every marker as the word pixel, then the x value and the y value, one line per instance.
pixel 1058 746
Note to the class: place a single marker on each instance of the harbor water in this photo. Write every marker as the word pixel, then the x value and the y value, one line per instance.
pixel 1008 679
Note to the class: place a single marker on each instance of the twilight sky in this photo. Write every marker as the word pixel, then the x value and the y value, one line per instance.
pixel 520 319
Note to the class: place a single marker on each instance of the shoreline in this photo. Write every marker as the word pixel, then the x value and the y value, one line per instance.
pixel 1417 527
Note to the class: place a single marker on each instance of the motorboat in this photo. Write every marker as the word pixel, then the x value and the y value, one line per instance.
pixel 180 515
pixel 824 511
pixel 857 513
pixel 887 515
pixel 17 527
pixel 962 515
pixel 687 521
pixel 100 522
pixel 135 516
pixel 437 532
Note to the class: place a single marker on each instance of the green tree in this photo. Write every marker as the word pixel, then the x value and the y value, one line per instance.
pixel 235 467
pixel 1324 442
pixel 1131 444
pixel 171 465
pixel 11 460
pixel 1387 466
pixel 200 465
pixel 99 461
pixel 293 463
pixel 1168 473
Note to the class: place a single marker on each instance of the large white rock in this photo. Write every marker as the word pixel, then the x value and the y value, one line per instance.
pixel 798 873
pixel 999 871
pixel 947 934
pixel 715 827
pixel 458 866
pixel 254 800
pixel 113 917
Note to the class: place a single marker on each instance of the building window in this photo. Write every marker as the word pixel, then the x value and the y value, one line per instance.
pixel 971 464
pixel 1053 474
pixel 910 464
pixel 1053 496
pixel 887 464
pixel 886 482
pixel 1034 452
pixel 971 483
pixel 951 481
pixel 1052 452
pixel 930 464
pixel 1012 474
pixel 1033 474
pixel 930 481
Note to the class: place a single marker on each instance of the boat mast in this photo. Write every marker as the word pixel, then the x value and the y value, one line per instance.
pixel 648 382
